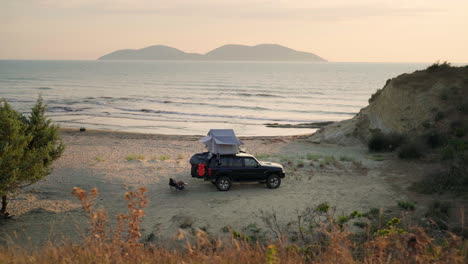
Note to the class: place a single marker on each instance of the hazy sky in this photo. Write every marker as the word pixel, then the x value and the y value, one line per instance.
pixel 338 30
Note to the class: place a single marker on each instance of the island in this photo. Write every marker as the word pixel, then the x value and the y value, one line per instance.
pixel 262 52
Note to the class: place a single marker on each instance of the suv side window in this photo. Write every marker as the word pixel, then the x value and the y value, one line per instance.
pixel 249 162
pixel 225 161
pixel 236 162
pixel 229 161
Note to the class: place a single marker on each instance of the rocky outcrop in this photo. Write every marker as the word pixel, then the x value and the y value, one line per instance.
pixel 409 104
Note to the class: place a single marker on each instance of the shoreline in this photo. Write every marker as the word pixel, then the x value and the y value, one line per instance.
pixel 139 135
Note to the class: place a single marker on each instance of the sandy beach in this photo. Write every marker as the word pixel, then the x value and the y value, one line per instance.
pixel 114 162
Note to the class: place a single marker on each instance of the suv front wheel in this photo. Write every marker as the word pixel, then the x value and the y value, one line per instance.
pixel 273 181
pixel 223 183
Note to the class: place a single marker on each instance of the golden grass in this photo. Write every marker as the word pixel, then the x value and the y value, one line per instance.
pixel 123 244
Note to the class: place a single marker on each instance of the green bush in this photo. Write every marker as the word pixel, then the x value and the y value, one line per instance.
pixel 28 146
pixel 438 212
pixel 463 107
pixel 407 205
pixel 437 66
pixel 313 156
pixel 385 142
pixel 459 128
pixel 444 96
pixel 435 139
pixel 346 158
pixel 454 180
pixel 439 116
pixel 412 150
pixel 427 124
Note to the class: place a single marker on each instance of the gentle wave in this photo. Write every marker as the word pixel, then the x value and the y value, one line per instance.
pixel 259 94
pixel 227 116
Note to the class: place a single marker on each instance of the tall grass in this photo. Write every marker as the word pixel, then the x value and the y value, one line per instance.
pixel 332 243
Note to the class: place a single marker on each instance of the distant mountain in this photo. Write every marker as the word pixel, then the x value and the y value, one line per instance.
pixel 262 52
pixel 157 52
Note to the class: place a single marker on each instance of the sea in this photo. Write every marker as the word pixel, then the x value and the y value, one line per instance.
pixel 192 97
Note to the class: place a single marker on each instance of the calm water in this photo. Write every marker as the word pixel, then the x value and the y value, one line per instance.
pixel 180 97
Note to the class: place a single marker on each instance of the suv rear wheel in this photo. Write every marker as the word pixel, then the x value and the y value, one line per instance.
pixel 273 181
pixel 223 183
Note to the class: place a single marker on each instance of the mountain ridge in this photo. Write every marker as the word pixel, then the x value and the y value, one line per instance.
pixel 261 52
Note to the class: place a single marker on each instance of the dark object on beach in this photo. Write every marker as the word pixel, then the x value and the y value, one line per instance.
pixel 222 170
pixel 6 215
pixel 225 163
pixel 179 185
pixel 82 129
pixel 302 125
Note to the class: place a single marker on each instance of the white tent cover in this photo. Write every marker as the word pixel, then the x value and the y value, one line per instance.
pixel 222 141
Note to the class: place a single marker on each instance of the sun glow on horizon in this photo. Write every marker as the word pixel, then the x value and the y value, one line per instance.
pixel 337 30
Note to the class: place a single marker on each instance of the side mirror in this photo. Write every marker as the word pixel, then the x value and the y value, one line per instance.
pixel 257 165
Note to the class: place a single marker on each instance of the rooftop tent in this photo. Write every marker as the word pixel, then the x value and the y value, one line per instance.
pixel 222 141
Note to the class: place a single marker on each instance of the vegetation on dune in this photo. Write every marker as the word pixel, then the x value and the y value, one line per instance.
pixel 381 142
pixel 133 157
pixel 439 66
pixel 28 146
pixel 316 236
pixel 443 138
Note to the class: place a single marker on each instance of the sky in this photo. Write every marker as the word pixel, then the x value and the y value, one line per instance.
pixel 337 30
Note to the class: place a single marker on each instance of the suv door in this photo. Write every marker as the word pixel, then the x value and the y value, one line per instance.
pixel 252 170
pixel 233 167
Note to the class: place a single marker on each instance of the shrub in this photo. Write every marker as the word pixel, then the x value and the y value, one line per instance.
pixel 463 107
pixel 437 66
pixel 444 95
pixel 343 219
pixel 323 207
pixel 435 139
pixel 407 205
pixel 132 157
pixel 164 157
pixel 28 146
pixel 346 158
pixel 427 124
pixel 459 128
pixel 454 179
pixel 385 142
pixel 322 240
pixel 439 116
pixel 438 212
pixel 361 224
pixel 412 150
pixel 300 164
pixel 312 156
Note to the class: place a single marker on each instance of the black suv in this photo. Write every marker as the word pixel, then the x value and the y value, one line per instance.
pixel 223 170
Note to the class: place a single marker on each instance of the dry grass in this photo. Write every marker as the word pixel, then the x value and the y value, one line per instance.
pixel 123 244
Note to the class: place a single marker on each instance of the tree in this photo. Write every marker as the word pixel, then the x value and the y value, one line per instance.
pixel 28 146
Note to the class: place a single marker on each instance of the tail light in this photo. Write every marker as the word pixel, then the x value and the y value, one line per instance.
pixel 201 169
pixel 209 172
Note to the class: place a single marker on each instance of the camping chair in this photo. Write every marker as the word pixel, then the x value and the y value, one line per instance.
pixel 178 185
